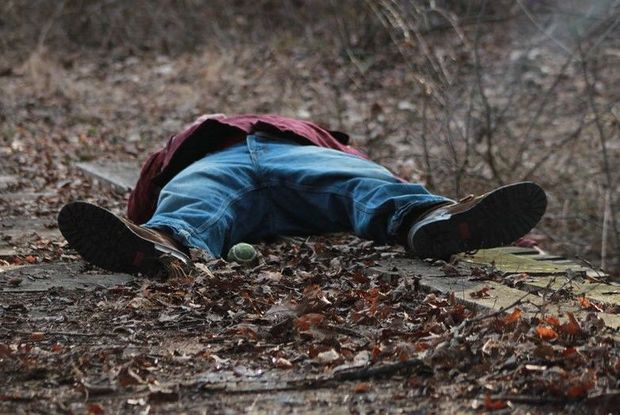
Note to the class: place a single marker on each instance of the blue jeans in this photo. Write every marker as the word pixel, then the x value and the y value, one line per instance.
pixel 265 187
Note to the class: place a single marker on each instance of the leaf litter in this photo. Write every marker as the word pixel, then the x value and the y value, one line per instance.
pixel 316 319
pixel 315 314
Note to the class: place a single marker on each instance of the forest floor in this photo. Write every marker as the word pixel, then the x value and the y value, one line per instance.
pixel 314 328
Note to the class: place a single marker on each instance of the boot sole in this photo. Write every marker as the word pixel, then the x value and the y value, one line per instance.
pixel 498 219
pixel 104 240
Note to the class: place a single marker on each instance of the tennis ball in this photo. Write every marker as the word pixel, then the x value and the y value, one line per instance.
pixel 242 253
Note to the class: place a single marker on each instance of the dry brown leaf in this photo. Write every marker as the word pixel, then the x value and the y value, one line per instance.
pixel 244 331
pixel 376 352
pixel 546 333
pixel 580 387
pixel 95 409
pixel 569 351
pixel 5 350
pixel 37 336
pixel 494 404
pixel 512 317
pixel 552 320
pixel 420 346
pixel 586 304
pixel 14 281
pixel 127 377
pixel 571 327
pixel 329 356
pixel 282 363
pixel 452 298
pixel 482 293
pixel 303 323
pixel 361 387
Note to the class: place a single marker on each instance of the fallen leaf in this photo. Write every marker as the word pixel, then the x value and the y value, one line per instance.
pixel 327 357
pixel 244 331
pixel 586 304
pixel 376 352
pixel 571 327
pixel 494 404
pixel 127 377
pixel 546 333
pixel 37 336
pixel 450 270
pixel 569 351
pixel 482 293
pixel 452 298
pixel 362 358
pixel 303 323
pixel 95 408
pixel 14 281
pixel 5 351
pixel 420 346
pixel 282 363
pixel 139 302
pixel 552 320
pixel 361 387
pixel 514 316
pixel 580 387
pixel 583 302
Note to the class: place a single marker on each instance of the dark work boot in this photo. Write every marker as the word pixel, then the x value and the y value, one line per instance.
pixel 494 219
pixel 116 244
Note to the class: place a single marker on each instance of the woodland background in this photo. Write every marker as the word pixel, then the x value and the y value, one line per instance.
pixel 461 95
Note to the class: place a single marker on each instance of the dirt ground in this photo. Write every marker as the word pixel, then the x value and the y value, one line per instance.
pixel 317 326
pixel 314 327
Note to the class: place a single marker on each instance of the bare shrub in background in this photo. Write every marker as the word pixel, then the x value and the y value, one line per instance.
pixel 516 90
pixel 494 91
pixel 171 26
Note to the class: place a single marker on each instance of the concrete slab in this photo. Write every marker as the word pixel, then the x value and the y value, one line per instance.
pixel 120 175
pixel 514 261
pixel 25 196
pixel 69 276
pixel 16 228
pixel 533 295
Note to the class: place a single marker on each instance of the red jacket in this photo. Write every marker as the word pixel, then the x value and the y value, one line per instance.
pixel 206 135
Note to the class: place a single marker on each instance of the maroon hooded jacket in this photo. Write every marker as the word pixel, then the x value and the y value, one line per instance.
pixel 209 134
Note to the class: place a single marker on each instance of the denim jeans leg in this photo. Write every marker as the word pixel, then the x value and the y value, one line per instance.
pixel 199 206
pixel 265 187
pixel 318 190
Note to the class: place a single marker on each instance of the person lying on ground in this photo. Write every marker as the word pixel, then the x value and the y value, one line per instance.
pixel 224 180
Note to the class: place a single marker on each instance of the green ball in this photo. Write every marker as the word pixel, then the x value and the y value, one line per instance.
pixel 242 253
